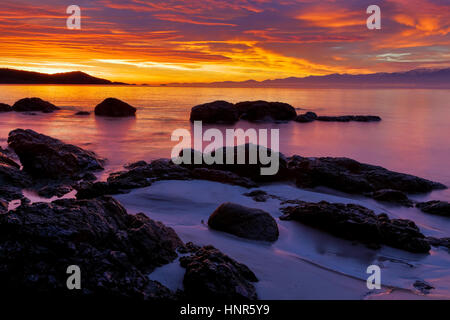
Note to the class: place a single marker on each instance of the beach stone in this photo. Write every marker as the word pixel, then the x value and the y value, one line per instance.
pixel 355 222
pixel 46 157
pixel 351 176
pixel 33 105
pixel 437 207
pixel 114 250
pixel 215 112
pixel 5 107
pixel 306 117
pixel 244 222
pixel 112 107
pixel 213 276
pixel 265 111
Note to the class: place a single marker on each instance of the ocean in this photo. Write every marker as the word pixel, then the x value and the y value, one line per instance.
pixel 413 137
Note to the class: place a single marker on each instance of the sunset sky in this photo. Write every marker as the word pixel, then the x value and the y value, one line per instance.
pixel 140 41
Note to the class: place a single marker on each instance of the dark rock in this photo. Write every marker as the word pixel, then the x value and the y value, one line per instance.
pixel 355 222
pixel 265 111
pixel 244 222
pixel 437 207
pixel 213 276
pixel 9 192
pixel 49 191
pixel 394 196
pixel 245 165
pixel 10 173
pixel 82 113
pixel 423 286
pixel 45 157
pixel 258 195
pixel 439 242
pixel 90 190
pixel 6 160
pixel 112 107
pixel 113 249
pixel 351 176
pixel 34 104
pixel 136 164
pixel 306 117
pixel 222 176
pixel 215 112
pixel 359 118
pixel 5 107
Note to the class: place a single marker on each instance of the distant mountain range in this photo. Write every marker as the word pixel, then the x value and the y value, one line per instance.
pixel 418 78
pixel 11 76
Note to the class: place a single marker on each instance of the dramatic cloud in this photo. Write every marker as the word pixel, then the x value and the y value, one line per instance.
pixel 211 40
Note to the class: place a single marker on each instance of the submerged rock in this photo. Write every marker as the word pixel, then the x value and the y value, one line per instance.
pixel 46 157
pixel 215 112
pixel 244 222
pixel 358 118
pixel 265 111
pixel 355 222
pixel 351 176
pixel 82 113
pixel 439 242
pixel 112 107
pixel 306 117
pixel 423 286
pixel 34 104
pixel 213 276
pixel 258 195
pixel 394 196
pixel 113 249
pixel 5 107
pixel 437 207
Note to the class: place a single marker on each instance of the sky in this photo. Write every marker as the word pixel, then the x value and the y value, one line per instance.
pixel 154 42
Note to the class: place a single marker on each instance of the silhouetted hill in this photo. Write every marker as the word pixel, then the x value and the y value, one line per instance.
pixel 11 76
pixel 418 78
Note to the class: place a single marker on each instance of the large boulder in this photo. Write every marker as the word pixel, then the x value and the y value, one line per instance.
pixel 113 249
pixel 213 276
pixel 215 112
pixel 351 176
pixel 244 222
pixel 112 107
pixel 266 111
pixel 46 157
pixel 5 107
pixel 355 222
pixel 34 104
pixel 437 207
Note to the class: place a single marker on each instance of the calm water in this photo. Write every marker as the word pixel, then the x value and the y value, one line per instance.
pixel 413 136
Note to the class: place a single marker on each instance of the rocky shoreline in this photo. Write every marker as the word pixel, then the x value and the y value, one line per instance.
pixel 118 250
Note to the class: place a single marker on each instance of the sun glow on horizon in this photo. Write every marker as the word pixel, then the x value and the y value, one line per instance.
pixel 154 43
